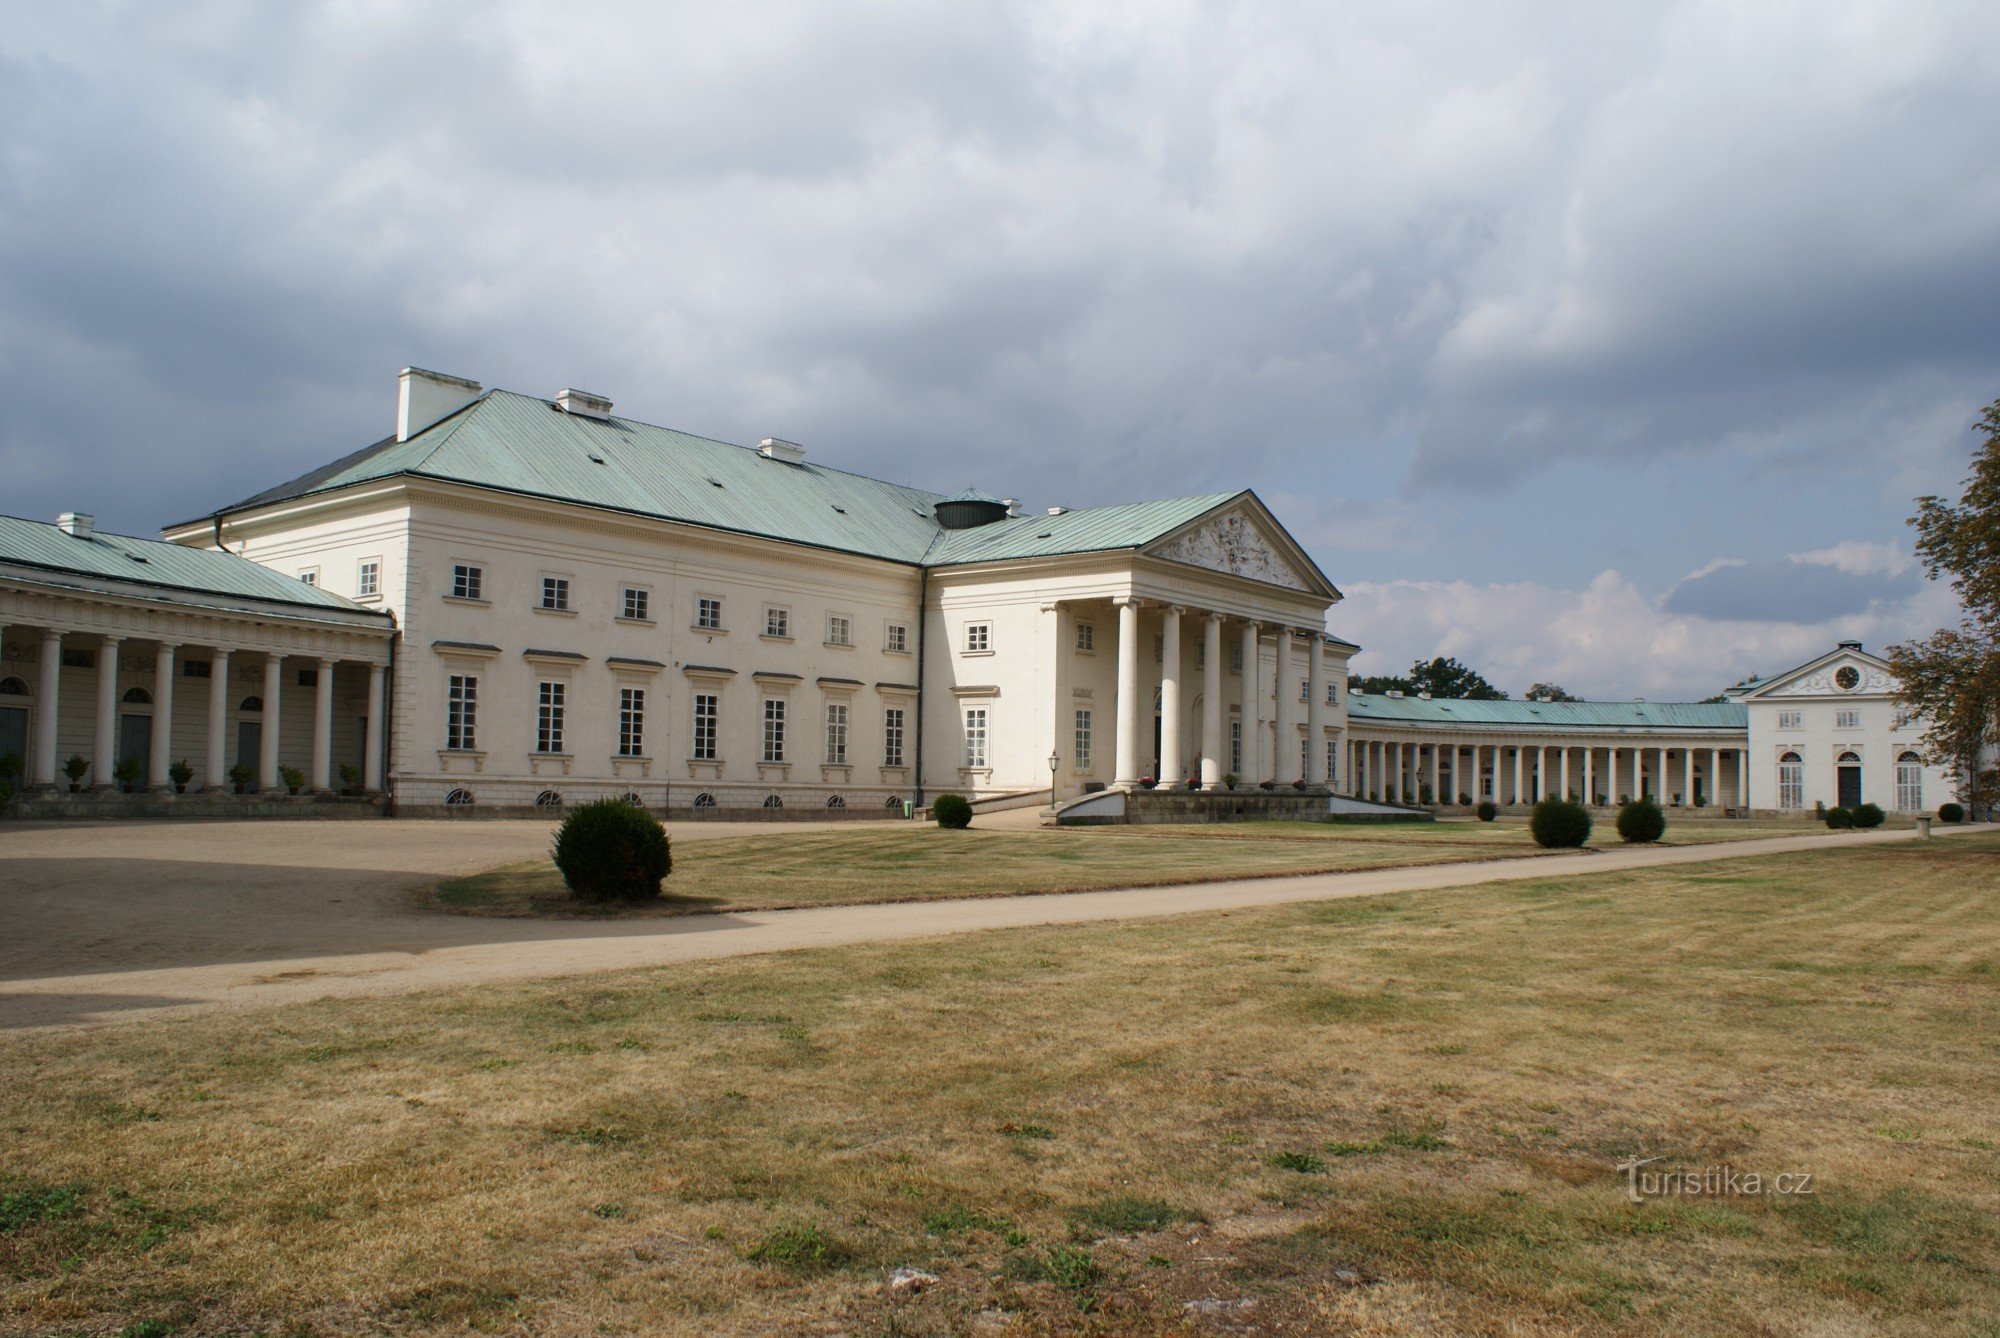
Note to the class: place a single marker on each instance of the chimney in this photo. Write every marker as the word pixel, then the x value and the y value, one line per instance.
pixel 1849 645
pixel 1058 510
pixel 1013 505
pixel 583 404
pixel 777 448
pixel 1423 696
pixel 424 398
pixel 76 523
pixel 1397 693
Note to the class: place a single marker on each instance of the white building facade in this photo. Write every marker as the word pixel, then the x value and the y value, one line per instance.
pixel 589 606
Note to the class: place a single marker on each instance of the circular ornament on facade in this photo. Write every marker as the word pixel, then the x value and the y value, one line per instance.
pixel 1847 678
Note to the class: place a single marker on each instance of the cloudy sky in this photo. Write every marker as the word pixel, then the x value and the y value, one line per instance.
pixel 1597 343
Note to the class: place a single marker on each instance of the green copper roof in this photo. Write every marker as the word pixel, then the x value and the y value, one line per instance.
pixel 1091 530
pixel 520 444
pixel 59 558
pixel 1548 715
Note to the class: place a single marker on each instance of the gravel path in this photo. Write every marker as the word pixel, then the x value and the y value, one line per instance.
pixel 132 920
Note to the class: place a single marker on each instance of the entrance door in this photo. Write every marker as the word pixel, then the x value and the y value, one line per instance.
pixel 135 739
pixel 14 733
pixel 1849 776
pixel 249 742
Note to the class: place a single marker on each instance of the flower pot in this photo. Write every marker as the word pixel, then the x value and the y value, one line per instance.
pixel 180 789
pixel 291 789
pixel 74 787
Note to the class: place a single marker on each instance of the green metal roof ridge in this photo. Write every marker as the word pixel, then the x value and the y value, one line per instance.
pixel 1380 707
pixel 1099 529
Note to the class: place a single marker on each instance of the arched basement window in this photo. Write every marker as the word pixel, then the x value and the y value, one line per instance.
pixel 835 801
pixel 13 687
pixel 138 697
pixel 252 706
pixel 458 799
pixel 548 799
pixel 773 801
pixel 704 800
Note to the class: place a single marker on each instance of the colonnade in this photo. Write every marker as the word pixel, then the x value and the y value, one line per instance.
pixel 42 763
pixel 1414 771
pixel 1211 750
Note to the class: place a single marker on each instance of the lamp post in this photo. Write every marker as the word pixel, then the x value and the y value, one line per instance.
pixel 1055 763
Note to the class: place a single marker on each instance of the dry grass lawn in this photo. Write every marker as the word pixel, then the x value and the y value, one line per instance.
pixel 832 866
pixel 1373 1115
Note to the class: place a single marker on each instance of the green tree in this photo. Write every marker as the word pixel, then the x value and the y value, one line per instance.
pixel 1441 677
pixel 1952 677
pixel 1550 692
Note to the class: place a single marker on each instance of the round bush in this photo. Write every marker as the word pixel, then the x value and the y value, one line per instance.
pixel 608 850
pixel 952 812
pixel 1867 815
pixel 1487 810
pixel 1641 821
pixel 1558 824
pixel 1951 813
pixel 1839 818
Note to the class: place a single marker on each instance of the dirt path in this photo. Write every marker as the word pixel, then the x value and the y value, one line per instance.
pixel 398 952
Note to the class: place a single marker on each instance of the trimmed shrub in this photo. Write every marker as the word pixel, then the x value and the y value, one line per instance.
pixel 241 775
pixel 1867 816
pixel 10 766
pixel 1951 813
pixel 1839 818
pixel 6 793
pixel 128 771
pixel 294 779
pixel 1487 810
pixel 952 811
pixel 1558 824
pixel 1641 821
pixel 608 850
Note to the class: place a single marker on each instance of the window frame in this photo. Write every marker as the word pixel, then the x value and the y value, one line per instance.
pixel 703 605
pixel 468 582
pixel 371 569
pixel 978 725
pixel 977 638
pixel 842 623
pixel 777 622
pixel 1086 638
pixel 1082 739
pixel 837 716
pixel 551 717
pixel 309 576
pixel 643 602
pixel 707 735
pixel 1909 783
pixel 1791 782
pixel 461 713
pixel 893 727
pixel 631 721
pixel 895 638
pixel 559 586
pixel 774 731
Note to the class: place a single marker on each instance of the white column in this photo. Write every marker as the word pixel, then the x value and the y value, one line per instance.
pixel 104 742
pixel 1285 766
pixel 1437 776
pixel 321 779
pixel 1565 773
pixel 1518 762
pixel 1611 775
pixel 1396 771
pixel 267 755
pixel 1315 709
pixel 1128 694
pixel 1660 791
pixel 163 720
pixel 371 759
pixel 1253 729
pixel 1172 772
pixel 1715 778
pixel 47 692
pixel 1743 779
pixel 1211 701
pixel 215 775
pixel 1542 772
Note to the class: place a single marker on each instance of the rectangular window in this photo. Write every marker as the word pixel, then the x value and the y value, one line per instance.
pixel 1236 746
pixel 310 576
pixel 1305 758
pixel 704 726
pixel 638 604
pixel 975 736
pixel 467 581
pixel 1847 720
pixel 1791 782
pixel 896 638
pixel 368 578
pixel 461 720
pixel 774 729
pixel 1788 720
pixel 549 717
pixel 197 669
pixel 839 630
pixel 631 722
pixel 1909 784
pixel 1081 760
pixel 1201 653
pixel 308 678
pixel 1333 692
pixel 555 593
pixel 1305 690
pixel 1086 639
pixel 892 737
pixel 1236 658
pixel 1333 762
pixel 708 614
pixel 978 638
pixel 778 622
pixel 836 734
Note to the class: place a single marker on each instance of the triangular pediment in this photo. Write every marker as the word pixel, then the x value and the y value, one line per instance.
pixel 1242 540
pixel 1840 673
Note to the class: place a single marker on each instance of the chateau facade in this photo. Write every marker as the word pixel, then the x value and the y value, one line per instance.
pixel 514 602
